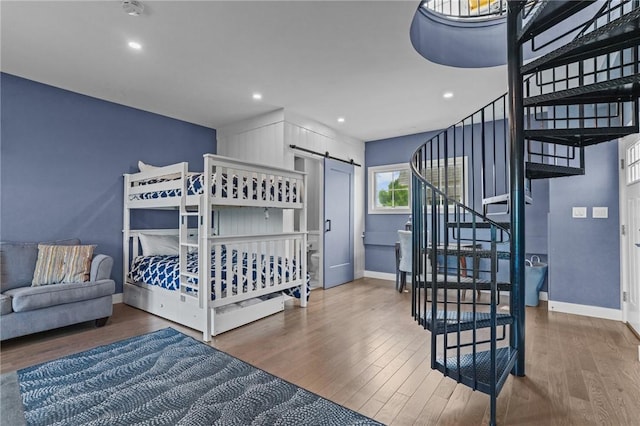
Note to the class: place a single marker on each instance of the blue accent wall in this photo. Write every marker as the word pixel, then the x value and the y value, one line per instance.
pixel 381 229
pixel 62 159
pixel 584 254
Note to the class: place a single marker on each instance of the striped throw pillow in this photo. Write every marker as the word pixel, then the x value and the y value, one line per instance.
pixel 62 264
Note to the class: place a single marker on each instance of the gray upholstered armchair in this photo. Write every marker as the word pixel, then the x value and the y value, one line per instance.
pixel 27 308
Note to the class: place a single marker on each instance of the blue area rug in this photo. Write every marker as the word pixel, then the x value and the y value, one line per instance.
pixel 167 378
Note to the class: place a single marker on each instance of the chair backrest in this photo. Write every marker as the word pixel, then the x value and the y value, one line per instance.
pixel 405 250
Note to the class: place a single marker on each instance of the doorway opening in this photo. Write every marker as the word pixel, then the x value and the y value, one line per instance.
pixel 314 169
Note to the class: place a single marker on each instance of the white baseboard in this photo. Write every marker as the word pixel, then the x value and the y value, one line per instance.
pixel 585 310
pixel 380 275
pixel 118 298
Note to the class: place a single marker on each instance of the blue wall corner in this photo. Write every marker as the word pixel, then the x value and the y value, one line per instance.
pixel 381 229
pixel 63 156
pixel 583 254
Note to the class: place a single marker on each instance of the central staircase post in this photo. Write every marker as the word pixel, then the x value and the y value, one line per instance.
pixel 516 176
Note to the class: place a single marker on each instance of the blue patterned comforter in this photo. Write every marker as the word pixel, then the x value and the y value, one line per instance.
pixel 164 271
pixel 271 191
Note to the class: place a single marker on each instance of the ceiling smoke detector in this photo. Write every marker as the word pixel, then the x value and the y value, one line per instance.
pixel 132 7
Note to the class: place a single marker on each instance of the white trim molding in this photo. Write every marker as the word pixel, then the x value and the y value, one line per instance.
pixel 380 275
pixel 117 298
pixel 585 310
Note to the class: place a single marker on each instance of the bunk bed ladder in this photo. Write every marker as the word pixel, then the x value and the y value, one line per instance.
pixel 205 232
pixel 583 92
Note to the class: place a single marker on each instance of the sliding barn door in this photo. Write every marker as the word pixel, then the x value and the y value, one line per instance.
pixel 338 223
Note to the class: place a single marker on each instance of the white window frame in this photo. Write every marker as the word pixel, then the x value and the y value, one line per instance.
pixel 372 170
pixel 633 163
pixel 373 209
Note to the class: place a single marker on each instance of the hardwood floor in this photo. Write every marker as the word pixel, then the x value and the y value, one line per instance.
pixel 357 345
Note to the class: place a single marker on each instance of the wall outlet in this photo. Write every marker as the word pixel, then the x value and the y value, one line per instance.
pixel 600 212
pixel 579 212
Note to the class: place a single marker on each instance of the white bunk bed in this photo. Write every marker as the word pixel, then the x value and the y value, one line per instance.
pixel 248 273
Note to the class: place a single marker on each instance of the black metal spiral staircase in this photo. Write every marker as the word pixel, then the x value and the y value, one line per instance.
pixel 470 183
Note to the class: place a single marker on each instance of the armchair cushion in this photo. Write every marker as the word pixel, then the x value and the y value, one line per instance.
pixel 31 298
pixel 5 304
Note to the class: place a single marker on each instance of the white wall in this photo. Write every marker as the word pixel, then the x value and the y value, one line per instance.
pixel 259 140
pixel 248 221
pixel 266 139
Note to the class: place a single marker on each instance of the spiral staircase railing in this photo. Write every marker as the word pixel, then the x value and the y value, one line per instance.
pixel 471 181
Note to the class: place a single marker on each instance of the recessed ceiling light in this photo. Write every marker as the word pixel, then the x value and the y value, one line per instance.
pixel 135 45
pixel 447 95
pixel 132 7
pixel 340 119
pixel 257 96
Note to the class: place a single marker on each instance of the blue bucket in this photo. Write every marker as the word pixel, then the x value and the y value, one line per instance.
pixel 534 273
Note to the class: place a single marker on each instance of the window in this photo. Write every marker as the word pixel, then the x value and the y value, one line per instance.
pixel 390 186
pixel 456 179
pixel 389 189
pixel 633 163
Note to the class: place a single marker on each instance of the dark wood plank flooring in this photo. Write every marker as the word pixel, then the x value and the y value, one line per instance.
pixel 357 345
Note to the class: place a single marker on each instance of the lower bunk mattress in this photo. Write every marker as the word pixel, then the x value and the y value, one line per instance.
pixel 164 271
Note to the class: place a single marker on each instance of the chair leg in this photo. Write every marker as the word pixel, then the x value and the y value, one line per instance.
pixel 403 281
pixel 464 294
pixel 101 322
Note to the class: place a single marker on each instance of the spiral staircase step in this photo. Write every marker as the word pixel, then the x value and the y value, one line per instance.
pixel 616 35
pixel 477 375
pixel 464 322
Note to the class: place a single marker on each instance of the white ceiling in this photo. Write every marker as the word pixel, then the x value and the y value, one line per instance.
pixel 201 61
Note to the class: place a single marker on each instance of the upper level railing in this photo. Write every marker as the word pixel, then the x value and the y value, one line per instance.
pixel 467 8
pixel 606 12
pixel 586 73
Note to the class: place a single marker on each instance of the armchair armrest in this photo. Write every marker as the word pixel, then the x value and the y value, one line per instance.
pixel 101 267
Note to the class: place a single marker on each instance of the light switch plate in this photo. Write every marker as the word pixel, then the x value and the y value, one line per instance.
pixel 600 212
pixel 579 212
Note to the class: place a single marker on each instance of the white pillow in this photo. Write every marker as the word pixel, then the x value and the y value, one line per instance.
pixel 145 167
pixel 159 244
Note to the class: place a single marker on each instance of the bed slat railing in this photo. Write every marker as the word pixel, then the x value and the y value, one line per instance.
pixel 264 264
pixel 234 183
pixel 171 178
pixel 252 184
